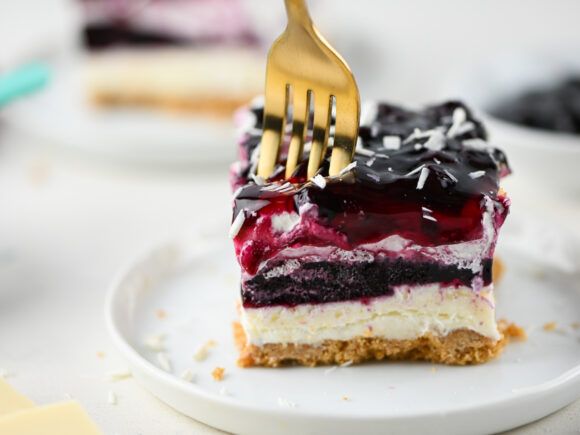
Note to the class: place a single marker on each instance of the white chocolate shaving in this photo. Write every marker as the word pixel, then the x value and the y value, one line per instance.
pixel 237 224
pixel 422 178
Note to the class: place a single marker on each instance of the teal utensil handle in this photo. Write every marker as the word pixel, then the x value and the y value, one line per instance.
pixel 23 81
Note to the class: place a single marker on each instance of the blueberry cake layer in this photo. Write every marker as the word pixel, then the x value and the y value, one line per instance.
pixel 395 250
pixel 199 56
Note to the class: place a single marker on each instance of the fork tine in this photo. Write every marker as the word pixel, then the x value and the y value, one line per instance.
pixel 301 105
pixel 345 135
pixel 322 111
pixel 274 122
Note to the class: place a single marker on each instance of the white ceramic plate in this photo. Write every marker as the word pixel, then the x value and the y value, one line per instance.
pixel 195 283
pixel 61 115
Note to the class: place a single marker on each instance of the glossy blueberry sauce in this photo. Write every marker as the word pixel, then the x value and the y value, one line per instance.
pixel 430 191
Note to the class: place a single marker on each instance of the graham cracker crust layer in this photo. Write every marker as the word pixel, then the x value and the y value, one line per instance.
pixel 216 107
pixel 460 347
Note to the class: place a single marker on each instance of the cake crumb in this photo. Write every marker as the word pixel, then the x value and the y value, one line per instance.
pixel 164 361
pixel 112 398
pixel 285 403
pixel 187 375
pixel 155 342
pixel 161 314
pixel 512 331
pixel 550 326
pixel 218 374
pixel 345 399
pixel 330 370
pixel 347 364
pixel 575 325
pixel 433 369
pixel 101 355
pixel 118 375
pixel 203 351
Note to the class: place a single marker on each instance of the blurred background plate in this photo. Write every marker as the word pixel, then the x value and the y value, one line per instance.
pixel 62 116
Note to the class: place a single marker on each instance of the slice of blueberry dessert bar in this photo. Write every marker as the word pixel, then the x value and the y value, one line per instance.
pixel 392 259
pixel 195 56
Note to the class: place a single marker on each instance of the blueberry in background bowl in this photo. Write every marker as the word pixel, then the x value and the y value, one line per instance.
pixel 531 104
pixel 553 108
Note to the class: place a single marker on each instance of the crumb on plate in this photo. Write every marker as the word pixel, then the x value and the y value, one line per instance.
pixel 155 342
pixel 285 403
pixel 218 374
pixel 512 331
pixel 118 375
pixel 202 352
pixel 187 375
pixel 164 362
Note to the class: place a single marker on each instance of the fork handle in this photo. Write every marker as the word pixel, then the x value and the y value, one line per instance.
pixel 297 12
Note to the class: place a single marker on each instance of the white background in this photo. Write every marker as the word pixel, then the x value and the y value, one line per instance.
pixel 68 224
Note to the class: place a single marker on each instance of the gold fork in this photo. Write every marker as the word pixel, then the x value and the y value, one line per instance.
pixel 304 68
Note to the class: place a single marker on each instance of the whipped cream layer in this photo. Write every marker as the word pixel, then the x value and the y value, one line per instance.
pixel 411 312
pixel 463 255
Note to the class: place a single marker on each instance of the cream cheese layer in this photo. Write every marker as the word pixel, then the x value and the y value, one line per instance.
pixel 411 312
pixel 176 73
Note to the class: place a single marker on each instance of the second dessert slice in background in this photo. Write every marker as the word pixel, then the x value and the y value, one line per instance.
pixel 197 56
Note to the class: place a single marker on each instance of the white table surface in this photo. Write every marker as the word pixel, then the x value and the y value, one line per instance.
pixel 66 227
